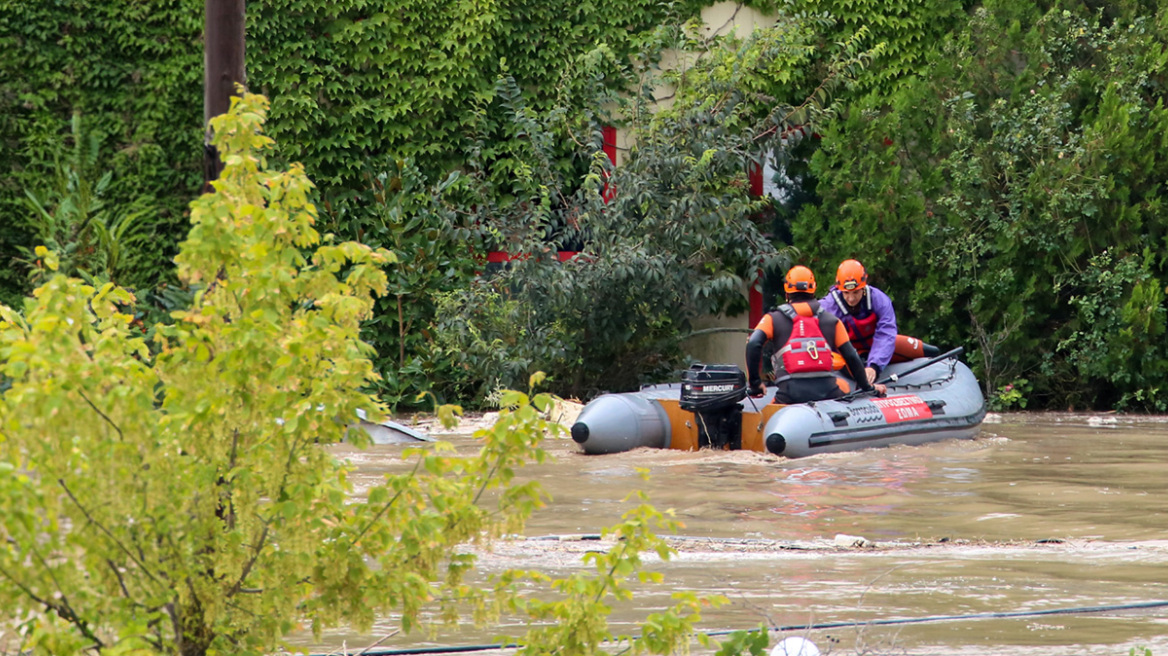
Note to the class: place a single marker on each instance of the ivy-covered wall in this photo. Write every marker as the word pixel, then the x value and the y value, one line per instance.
pixel 135 70
pixel 356 85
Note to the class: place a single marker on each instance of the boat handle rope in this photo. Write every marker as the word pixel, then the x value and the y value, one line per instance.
pixel 997 615
pixel 911 370
pixel 930 383
pixel 931 361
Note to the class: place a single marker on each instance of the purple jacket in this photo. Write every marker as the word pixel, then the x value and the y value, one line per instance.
pixel 874 302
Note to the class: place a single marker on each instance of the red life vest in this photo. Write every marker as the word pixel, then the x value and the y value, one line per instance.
pixel 861 332
pixel 806 353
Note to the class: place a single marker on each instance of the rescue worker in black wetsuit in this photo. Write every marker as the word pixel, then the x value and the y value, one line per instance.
pixel 805 337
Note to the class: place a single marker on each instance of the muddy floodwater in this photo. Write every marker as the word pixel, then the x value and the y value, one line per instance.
pixel 1047 534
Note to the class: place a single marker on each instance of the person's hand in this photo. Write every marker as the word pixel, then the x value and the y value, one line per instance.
pixel 871 375
pixel 881 390
pixel 757 390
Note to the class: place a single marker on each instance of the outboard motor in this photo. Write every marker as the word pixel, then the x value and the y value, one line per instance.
pixel 712 393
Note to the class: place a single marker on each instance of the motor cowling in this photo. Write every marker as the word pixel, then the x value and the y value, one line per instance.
pixel 712 393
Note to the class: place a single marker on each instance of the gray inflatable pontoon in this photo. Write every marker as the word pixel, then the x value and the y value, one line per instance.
pixel 927 400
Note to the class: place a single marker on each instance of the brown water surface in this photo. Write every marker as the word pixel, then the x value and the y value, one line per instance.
pixel 1039 513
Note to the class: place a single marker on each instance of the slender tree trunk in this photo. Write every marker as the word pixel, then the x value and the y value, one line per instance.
pixel 401 333
pixel 223 68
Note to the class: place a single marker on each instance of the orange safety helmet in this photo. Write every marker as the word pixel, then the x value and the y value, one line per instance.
pixel 851 276
pixel 799 279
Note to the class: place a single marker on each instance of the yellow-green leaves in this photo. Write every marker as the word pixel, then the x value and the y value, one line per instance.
pixel 577 624
pixel 195 480
pixel 50 258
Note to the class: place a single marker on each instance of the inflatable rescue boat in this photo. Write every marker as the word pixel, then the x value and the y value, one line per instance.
pixel 927 400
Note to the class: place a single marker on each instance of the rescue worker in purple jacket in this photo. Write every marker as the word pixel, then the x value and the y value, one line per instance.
pixel 870 320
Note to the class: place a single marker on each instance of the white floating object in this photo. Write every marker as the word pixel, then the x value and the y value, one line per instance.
pixel 795 646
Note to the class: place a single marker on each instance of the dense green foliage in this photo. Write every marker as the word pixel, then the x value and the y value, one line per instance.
pixel 73 219
pixel 357 85
pixel 907 29
pixel 669 236
pixel 670 247
pixel 1009 198
pixel 134 71
pixel 399 211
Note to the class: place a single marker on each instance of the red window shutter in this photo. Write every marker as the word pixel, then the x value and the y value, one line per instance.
pixel 608 133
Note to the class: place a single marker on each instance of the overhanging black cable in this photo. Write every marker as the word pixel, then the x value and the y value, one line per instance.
pixel 972 616
pixel 800 627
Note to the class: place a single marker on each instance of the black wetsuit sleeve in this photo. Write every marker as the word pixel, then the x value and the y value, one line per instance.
pixel 855 366
pixel 754 345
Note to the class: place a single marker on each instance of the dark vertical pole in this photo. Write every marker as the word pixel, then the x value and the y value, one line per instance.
pixel 223 67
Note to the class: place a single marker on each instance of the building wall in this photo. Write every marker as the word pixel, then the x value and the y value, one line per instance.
pixel 720 19
pixel 726 17
pixel 720 347
pixel 727 347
